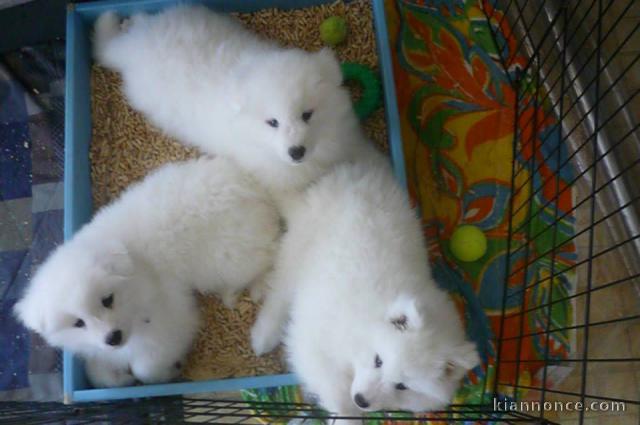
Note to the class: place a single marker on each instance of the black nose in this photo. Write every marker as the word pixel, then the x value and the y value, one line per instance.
pixel 361 401
pixel 114 338
pixel 297 152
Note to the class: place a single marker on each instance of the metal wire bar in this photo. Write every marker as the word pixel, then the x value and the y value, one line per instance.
pixel 581 395
pixel 579 263
pixel 586 62
pixel 555 229
pixel 584 360
pixel 575 327
pixel 509 239
pixel 587 169
pixel 527 31
pixel 513 25
pixel 532 162
pixel 578 294
pixel 580 203
pixel 175 410
pixel 587 312
pixel 581 232
pixel 603 186
pixel 611 116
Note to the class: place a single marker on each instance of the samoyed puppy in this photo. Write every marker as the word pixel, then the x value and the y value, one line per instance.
pixel 95 299
pixel 368 328
pixel 281 113
pixel 120 292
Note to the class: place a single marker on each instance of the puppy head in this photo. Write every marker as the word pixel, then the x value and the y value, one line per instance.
pixel 80 299
pixel 285 102
pixel 412 364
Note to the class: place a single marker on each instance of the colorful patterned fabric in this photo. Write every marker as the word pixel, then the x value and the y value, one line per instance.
pixel 458 111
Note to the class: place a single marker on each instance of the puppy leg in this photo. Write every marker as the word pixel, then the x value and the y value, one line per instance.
pixel 156 371
pixel 267 331
pixel 158 362
pixel 102 374
pixel 229 298
pixel 337 399
pixel 259 287
pixel 257 292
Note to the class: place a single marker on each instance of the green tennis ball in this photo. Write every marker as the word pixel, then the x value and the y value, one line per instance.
pixel 468 243
pixel 333 30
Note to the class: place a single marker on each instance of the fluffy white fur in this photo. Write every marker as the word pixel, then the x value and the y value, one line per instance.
pixel 206 80
pixel 199 225
pixel 353 275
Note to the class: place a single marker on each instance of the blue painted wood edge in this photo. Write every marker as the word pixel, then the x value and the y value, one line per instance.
pixel 390 99
pixel 72 168
pixel 218 385
pixel 127 7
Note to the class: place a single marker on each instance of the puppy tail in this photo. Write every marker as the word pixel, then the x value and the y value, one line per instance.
pixel 106 28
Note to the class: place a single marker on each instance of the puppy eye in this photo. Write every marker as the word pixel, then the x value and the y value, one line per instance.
pixel 306 116
pixel 107 302
pixel 273 123
pixel 79 323
pixel 378 361
pixel 400 386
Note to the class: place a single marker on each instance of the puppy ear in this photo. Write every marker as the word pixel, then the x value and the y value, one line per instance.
pixel 328 67
pixel 462 358
pixel 30 314
pixel 404 315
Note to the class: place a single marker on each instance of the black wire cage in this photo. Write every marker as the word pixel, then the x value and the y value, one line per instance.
pixel 582 68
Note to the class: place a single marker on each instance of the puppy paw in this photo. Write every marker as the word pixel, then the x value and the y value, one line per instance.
pixel 156 374
pixel 257 292
pixel 105 375
pixel 150 370
pixel 229 299
pixel 265 337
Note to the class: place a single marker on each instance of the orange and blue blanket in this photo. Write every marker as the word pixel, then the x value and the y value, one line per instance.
pixel 458 109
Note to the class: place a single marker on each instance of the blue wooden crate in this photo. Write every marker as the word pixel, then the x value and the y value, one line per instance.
pixel 77 182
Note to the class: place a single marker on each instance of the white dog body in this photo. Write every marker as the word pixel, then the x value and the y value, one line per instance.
pixel 204 79
pixel 369 329
pixel 205 223
pixel 120 292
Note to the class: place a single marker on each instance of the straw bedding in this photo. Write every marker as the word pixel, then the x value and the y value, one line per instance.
pixel 125 148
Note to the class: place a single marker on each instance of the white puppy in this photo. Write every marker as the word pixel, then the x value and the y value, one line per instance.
pixel 369 329
pixel 120 292
pixel 204 79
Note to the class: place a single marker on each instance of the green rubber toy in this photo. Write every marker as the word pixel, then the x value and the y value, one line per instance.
pixel 371 91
